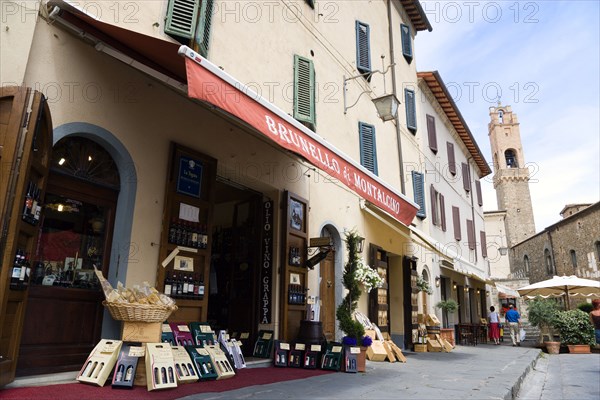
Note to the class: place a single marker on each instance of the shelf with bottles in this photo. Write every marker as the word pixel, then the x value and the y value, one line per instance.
pixel 297 294
pixel 184 285
pixel 188 234
pixel 32 203
pixel 21 271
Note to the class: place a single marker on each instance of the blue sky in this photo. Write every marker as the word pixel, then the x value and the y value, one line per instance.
pixel 543 56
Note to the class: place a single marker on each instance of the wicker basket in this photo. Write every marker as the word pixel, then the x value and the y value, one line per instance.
pixel 139 312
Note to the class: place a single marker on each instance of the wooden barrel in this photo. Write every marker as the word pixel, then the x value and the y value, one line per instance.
pixel 311 332
pixel 432 331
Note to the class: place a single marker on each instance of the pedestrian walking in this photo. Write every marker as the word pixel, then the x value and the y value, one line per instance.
pixel 494 320
pixel 513 318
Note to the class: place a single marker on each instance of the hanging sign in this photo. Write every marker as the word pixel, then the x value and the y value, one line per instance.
pixel 266 270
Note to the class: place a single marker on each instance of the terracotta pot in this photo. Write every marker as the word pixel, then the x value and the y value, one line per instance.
pixel 361 360
pixel 579 348
pixel 553 347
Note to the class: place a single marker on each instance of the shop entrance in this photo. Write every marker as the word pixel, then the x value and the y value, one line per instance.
pixel 64 314
pixel 233 284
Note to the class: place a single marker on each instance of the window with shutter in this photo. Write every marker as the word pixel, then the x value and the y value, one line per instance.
pixel 443 212
pixel 411 110
pixel 363 47
pixel 368 148
pixel 478 190
pixel 451 159
pixel 304 91
pixel 431 134
pixel 456 222
pixel 202 37
pixel 434 208
pixel 466 177
pixel 181 18
pixel 471 234
pixel 483 241
pixel 406 42
pixel 419 190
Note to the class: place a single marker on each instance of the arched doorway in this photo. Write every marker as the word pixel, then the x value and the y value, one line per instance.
pixel 329 268
pixel 63 320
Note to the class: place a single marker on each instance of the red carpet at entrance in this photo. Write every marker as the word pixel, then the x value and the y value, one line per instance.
pixel 78 391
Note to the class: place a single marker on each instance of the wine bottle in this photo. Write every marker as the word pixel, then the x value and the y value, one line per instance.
pixel 201 288
pixel 173 231
pixel 179 286
pixel 28 202
pixel 37 210
pixel 168 285
pixel 16 271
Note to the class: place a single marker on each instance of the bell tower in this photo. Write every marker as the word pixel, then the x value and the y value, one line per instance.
pixel 511 175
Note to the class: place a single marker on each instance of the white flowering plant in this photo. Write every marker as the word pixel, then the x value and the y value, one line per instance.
pixel 367 276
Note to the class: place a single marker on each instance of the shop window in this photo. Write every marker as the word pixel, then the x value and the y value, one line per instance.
pixel 187 20
pixel 85 160
pixel 304 91
pixel 368 148
pixel 431 133
pixel 419 192
pixel 573 259
pixel 411 110
pixel 407 51
pixel 363 47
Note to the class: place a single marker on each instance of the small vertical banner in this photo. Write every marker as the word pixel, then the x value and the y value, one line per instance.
pixel 266 270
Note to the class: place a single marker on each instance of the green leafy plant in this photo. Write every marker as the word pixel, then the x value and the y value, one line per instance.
pixel 585 307
pixel 449 305
pixel 575 327
pixel 543 314
pixel 423 286
pixel 352 328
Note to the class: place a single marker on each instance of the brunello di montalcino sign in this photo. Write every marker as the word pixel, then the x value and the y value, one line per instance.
pixel 208 83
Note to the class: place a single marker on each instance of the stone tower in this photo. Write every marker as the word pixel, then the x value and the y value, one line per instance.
pixel 511 175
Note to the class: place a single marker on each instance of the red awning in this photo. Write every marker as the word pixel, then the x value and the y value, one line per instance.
pixel 209 83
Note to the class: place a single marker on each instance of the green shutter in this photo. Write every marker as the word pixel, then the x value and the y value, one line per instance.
pixel 368 148
pixel 411 111
pixel 363 47
pixel 181 18
pixel 304 91
pixel 406 42
pixel 203 32
pixel 419 190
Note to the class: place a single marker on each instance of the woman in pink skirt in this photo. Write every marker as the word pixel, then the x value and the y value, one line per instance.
pixel 494 321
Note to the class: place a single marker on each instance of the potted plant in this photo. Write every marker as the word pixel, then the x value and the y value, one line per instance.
pixel 576 330
pixel 543 314
pixel 354 330
pixel 449 306
pixel 423 286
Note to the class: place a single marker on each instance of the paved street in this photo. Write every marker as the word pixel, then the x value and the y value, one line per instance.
pixel 469 372
pixel 563 376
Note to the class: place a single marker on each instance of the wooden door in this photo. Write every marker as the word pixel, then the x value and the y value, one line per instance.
pixel 379 299
pixel 63 320
pixel 327 294
pixel 25 148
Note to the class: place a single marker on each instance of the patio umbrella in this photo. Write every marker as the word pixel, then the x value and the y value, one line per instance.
pixel 562 286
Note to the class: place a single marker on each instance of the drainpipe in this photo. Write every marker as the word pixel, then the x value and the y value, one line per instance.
pixel 394 91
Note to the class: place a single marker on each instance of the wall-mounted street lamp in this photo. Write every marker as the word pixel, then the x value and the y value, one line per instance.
pixel 386 105
pixel 361 244
pixel 437 281
pixel 503 251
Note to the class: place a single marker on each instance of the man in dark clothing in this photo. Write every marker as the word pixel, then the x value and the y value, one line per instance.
pixel 513 318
